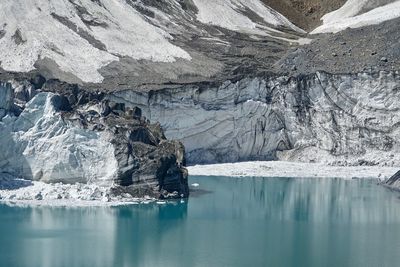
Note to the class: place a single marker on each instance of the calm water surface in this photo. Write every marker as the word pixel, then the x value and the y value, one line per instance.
pixel 227 222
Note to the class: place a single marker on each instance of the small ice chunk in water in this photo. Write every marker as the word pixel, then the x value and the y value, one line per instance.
pixel 195 185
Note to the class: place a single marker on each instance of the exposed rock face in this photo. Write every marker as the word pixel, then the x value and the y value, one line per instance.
pixel 338 119
pixel 90 141
pixel 305 13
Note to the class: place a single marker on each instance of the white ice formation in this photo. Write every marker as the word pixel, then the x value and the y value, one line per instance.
pixel 40 145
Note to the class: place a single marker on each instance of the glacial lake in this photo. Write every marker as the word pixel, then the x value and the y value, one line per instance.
pixel 226 222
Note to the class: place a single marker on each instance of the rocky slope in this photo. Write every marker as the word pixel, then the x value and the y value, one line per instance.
pixel 305 13
pixel 233 80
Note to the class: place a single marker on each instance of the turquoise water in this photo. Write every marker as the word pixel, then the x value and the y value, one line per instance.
pixel 227 222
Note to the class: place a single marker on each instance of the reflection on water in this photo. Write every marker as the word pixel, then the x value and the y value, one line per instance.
pixel 90 236
pixel 236 222
pixel 316 200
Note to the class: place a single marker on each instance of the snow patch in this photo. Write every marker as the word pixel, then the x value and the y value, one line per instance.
pixel 348 16
pixel 230 14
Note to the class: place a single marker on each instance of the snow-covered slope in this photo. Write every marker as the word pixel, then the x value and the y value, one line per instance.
pixel 80 36
pixel 231 14
pixel 75 40
pixel 359 13
pixel 127 43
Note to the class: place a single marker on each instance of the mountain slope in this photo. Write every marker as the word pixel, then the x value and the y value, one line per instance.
pixel 84 41
pixel 150 44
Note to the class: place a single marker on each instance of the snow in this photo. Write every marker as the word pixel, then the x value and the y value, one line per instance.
pixel 20 191
pixel 350 15
pixel 229 14
pixel 77 38
pixel 291 170
pixel 44 37
pixel 350 9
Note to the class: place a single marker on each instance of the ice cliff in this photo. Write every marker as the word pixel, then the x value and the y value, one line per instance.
pixel 336 119
pixel 81 138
